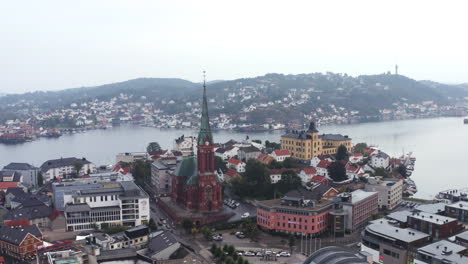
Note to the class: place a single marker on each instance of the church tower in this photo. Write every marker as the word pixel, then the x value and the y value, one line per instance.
pixel 209 188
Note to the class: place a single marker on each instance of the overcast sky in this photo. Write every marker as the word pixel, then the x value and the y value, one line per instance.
pixel 51 45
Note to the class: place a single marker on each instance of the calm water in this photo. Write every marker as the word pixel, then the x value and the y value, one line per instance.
pixel 440 146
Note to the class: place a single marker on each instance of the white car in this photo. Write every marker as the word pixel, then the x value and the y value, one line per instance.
pixel 249 254
pixel 283 254
pixel 245 215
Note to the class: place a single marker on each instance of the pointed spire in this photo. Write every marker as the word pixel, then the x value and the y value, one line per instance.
pixel 205 131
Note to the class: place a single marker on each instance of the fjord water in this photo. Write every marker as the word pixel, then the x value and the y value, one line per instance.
pixel 440 146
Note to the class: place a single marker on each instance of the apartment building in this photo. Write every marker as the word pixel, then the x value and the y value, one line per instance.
pixel 390 191
pixel 358 207
pixel 110 204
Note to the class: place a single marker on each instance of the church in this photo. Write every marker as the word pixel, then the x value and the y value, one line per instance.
pixel 195 186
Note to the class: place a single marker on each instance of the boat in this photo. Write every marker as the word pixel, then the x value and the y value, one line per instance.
pixel 465 121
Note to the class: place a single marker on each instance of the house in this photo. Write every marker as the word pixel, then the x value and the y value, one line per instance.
pixel 227 152
pixel 315 161
pixel 136 237
pixel 186 145
pixel 20 242
pixel 130 157
pixel 236 164
pixel 36 215
pixel 248 153
pixel 265 159
pixel 29 172
pixel 356 157
pixel 162 246
pixel 281 154
pixel 320 179
pixel 66 167
pixel 306 174
pixel 380 160
pixel 11 176
pixel 230 175
pixel 4 186
pixel 322 168
pixel 275 174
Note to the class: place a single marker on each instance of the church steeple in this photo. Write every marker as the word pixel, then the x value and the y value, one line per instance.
pixel 205 131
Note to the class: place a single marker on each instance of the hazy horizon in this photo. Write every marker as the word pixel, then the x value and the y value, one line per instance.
pixel 55 45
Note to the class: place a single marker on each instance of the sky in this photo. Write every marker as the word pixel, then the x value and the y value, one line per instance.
pixel 53 45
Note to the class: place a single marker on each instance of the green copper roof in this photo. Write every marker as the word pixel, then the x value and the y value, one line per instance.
pixel 205 130
pixel 186 168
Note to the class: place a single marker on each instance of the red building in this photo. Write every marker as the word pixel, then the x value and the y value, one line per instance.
pixel 195 186
pixel 437 226
pixel 295 214
pixel 20 242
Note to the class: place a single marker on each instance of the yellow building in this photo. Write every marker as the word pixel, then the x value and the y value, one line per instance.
pixel 305 145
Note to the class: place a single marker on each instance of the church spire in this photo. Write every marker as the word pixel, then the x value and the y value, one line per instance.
pixel 205 131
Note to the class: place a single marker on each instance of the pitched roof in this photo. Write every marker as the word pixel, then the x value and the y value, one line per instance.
pixel 234 161
pixel 138 231
pixel 323 164
pixel 7 185
pixel 315 193
pixel 249 149
pixel 309 171
pixel 231 173
pixel 334 137
pixel 19 166
pixel 282 152
pixel 161 242
pixel 62 162
pixel 320 179
pixel 16 176
pixel 16 235
pixel 40 211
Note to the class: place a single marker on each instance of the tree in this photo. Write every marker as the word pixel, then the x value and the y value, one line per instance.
pixel 359 148
pixel 187 224
pixel 152 225
pixel 257 141
pixel 401 169
pixel 207 233
pixel 255 182
pixel 153 147
pixel 337 171
pixel 220 164
pixel 213 248
pixel 141 171
pixel 342 153
pixel 40 179
pixel 380 172
pixel 291 242
pixel 77 166
pixel 229 260
pixel 231 250
pixel 289 181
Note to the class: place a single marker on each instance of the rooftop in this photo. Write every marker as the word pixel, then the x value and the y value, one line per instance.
pixel 432 218
pixel 445 251
pixel 19 166
pixel 16 235
pixel 336 255
pixel 383 229
pixel 400 216
pixel 432 208
pixel 460 205
pixel 62 162
pixel 318 206
pixel 161 242
pixel 334 137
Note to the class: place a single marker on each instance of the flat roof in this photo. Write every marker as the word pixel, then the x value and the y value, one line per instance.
pixel 401 216
pixel 277 205
pixel 463 235
pixel 433 218
pixel 459 205
pixel 359 195
pixel 446 251
pixel 431 208
pixel 383 229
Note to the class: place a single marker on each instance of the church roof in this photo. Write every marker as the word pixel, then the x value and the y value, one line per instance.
pixel 205 130
pixel 187 167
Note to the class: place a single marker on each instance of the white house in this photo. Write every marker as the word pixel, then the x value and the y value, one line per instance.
pixel 186 145
pixel 356 157
pixel 322 168
pixel 236 164
pixel 306 174
pixel 226 153
pixel 380 160
pixel 281 154
pixel 315 161
pixel 65 167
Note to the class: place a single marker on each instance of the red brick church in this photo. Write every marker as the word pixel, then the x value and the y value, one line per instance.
pixel 195 186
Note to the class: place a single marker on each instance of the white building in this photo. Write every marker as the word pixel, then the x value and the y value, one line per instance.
pixel 236 164
pixel 390 191
pixel 281 154
pixel 110 204
pixel 186 145
pixel 66 167
pixel 380 160
pixel 130 157
pixel 226 153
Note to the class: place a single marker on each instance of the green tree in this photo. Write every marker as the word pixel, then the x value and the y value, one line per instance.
pixel 255 182
pixel 359 148
pixel 213 248
pixel 187 224
pixel 77 166
pixel 207 233
pixel 220 164
pixel 231 250
pixel 337 171
pixel 289 181
pixel 229 260
pixel 401 169
pixel 141 171
pixel 40 179
pixel 152 225
pixel 380 172
pixel 342 153
pixel 218 253
pixel 153 147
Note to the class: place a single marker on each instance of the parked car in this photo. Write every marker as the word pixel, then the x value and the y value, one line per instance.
pixel 283 254
pixel 240 235
pixel 249 254
pixel 239 253
pixel 245 215
pixel 259 254
pixel 217 238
